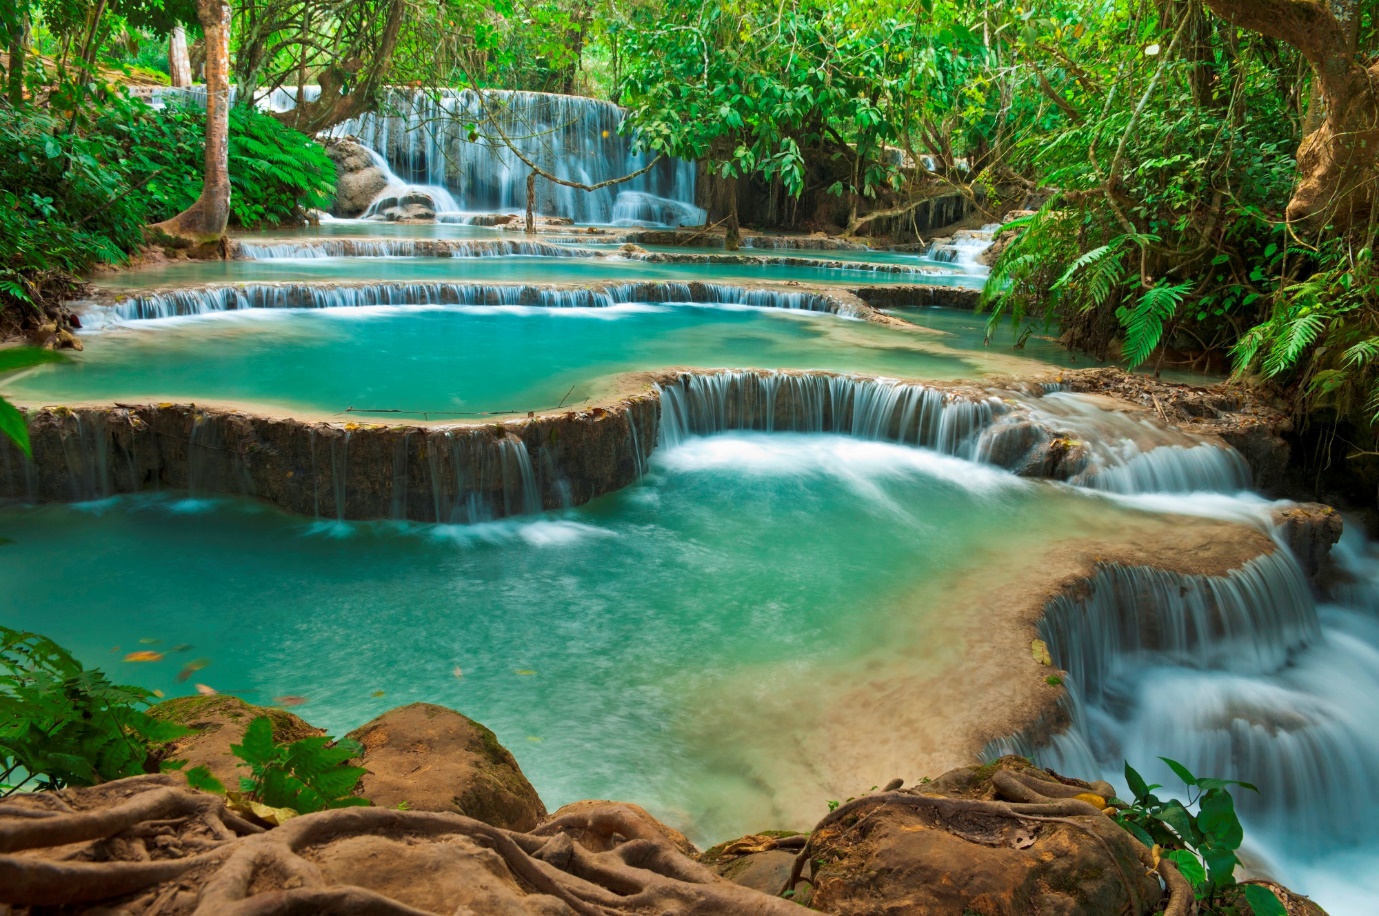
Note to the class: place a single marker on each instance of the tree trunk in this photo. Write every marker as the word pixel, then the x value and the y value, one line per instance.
pixel 732 236
pixel 179 61
pixel 204 221
pixel 19 47
pixel 531 202
pixel 1337 162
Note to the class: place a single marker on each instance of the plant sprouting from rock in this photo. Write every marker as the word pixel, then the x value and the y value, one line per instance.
pixel 1203 844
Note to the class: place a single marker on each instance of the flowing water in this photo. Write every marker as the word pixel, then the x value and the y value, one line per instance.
pixel 630 649
pixel 503 269
pixel 473 145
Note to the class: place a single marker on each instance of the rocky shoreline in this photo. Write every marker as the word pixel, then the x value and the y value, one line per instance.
pixel 455 827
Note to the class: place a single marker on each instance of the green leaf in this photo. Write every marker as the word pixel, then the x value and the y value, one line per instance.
pixel 257 748
pixel 1177 817
pixel 15 427
pixel 1217 820
pixel 1135 781
pixel 200 778
pixel 1189 865
pixel 13 358
pixel 1180 771
pixel 1262 900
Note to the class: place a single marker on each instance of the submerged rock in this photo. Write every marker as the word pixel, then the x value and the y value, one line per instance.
pixel 218 722
pixel 434 759
pixel 1310 530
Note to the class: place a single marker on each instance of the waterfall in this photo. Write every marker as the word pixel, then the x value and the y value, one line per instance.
pixel 1132 453
pixel 964 248
pixel 404 248
pixel 208 299
pixel 696 405
pixel 451 138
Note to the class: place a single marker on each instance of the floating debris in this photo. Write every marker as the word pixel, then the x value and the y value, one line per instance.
pixel 290 700
pixel 458 672
pixel 144 655
pixel 191 668
pixel 149 641
pixel 525 672
pixel 206 691
pixel 379 693
pixel 183 647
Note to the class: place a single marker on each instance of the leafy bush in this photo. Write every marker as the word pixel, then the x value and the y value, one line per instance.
pixel 81 178
pixel 1202 845
pixel 311 774
pixel 65 725
pixel 275 172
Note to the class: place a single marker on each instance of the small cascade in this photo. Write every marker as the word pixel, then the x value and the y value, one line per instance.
pixel 404 248
pixel 964 248
pixel 696 405
pixel 475 477
pixel 1242 677
pixel 638 208
pixel 441 138
pixel 208 299
pixel 1130 453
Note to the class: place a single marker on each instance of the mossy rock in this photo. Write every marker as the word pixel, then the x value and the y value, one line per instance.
pixel 217 723
pixel 430 758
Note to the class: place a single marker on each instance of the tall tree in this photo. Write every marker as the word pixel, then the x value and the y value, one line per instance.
pixel 179 61
pixel 205 220
pixel 1338 163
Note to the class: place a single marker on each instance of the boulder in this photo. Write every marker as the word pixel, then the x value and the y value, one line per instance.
pixel 435 759
pixel 218 722
pixel 358 177
pixel 957 845
pixel 762 861
pixel 411 207
pixel 1310 530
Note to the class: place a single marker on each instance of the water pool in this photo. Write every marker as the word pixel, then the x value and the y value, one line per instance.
pixel 679 643
pixel 514 268
pixel 449 362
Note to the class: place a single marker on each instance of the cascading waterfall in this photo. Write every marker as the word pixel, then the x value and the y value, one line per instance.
pixel 404 248
pixel 454 139
pixel 208 299
pixel 964 248
pixel 1240 677
pixel 1130 454
pixel 696 405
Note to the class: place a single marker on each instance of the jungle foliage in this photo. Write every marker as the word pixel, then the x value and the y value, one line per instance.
pixel 81 177
pixel 62 724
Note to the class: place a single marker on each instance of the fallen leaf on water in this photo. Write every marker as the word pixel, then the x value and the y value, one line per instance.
pixel 191 668
pixel 458 672
pixel 158 694
pixel 205 691
pixel 183 647
pixel 378 693
pixel 114 650
pixel 149 641
pixel 144 655
pixel 535 740
pixel 289 701
pixel 525 672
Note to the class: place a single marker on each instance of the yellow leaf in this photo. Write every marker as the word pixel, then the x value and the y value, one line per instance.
pixel 144 655
pixel 458 672
pixel 526 672
pixel 1040 650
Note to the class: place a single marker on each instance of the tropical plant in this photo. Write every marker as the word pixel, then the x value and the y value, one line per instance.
pixel 311 774
pixel 12 423
pixel 62 724
pixel 1201 843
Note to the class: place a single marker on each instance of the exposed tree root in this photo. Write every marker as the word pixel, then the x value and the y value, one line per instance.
pixel 137 841
pixel 1023 796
